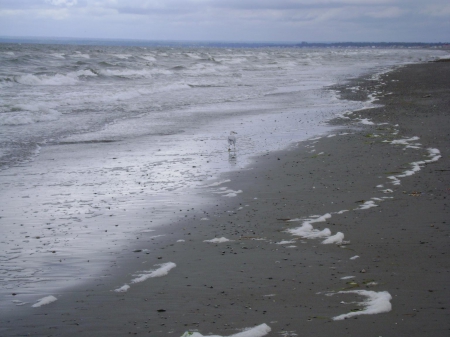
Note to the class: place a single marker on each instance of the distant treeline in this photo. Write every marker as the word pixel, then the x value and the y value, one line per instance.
pixel 373 44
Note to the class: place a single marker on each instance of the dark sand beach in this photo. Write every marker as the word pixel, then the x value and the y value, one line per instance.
pixel 396 222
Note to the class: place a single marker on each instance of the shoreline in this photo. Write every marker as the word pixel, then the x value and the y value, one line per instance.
pixel 220 288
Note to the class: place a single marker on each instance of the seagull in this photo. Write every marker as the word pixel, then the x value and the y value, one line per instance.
pixel 232 140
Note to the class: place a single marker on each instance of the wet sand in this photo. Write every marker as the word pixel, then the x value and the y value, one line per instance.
pixel 402 243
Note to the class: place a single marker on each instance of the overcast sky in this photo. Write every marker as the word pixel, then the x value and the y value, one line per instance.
pixel 230 20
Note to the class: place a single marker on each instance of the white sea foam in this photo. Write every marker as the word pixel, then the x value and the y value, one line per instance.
pixel 321 218
pixel 19 303
pixel 404 141
pixel 347 277
pixel 343 116
pixel 354 257
pixel 229 193
pixel 126 72
pixel 367 205
pixel 122 56
pixel 395 180
pixel 58 55
pixel 232 194
pixel 285 242
pixel 257 331
pixel 417 166
pixel 218 183
pixel 375 303
pixel 122 289
pixel 87 72
pixel 81 55
pixel 435 155
pixel 44 301
pixel 445 57
pixel 29 114
pixel 148 58
pixel 314 218
pixel 218 240
pixel 366 121
pixel 163 270
pixel 307 231
pixel 58 79
pixel 336 239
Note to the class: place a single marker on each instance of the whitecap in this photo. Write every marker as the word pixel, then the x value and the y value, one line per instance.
pixel 58 79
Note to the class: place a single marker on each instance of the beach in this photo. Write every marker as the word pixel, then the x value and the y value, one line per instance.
pixel 379 182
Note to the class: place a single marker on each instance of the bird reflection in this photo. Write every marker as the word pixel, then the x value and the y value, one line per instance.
pixel 232 140
pixel 232 157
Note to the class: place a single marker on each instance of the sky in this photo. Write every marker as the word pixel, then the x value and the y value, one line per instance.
pixel 230 20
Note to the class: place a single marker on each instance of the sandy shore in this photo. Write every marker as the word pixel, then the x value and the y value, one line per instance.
pixel 381 166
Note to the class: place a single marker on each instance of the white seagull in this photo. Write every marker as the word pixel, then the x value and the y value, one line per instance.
pixel 232 140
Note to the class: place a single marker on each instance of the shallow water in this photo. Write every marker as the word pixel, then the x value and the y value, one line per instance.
pixel 100 144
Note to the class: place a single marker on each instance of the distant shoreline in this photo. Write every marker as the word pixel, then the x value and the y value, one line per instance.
pixel 216 44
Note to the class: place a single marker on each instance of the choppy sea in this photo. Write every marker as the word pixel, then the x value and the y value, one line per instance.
pixel 99 144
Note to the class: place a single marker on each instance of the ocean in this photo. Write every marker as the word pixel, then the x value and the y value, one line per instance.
pixel 99 144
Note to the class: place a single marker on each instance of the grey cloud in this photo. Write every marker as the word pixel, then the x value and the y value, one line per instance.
pixel 233 19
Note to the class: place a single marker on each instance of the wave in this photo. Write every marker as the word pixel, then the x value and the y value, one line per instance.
pixel 71 78
pixel 5 81
pixel 122 56
pixel 148 58
pixel 234 60
pixel 178 68
pixel 80 55
pixel 34 115
pixel 58 56
pixel 169 87
pixel 85 72
pixel 199 69
pixel 193 56
pixel 133 73
pixel 57 79
pixel 206 86
pixel 106 64
pixel 125 95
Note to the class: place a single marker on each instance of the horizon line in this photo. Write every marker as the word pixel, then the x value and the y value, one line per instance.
pixel 174 41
